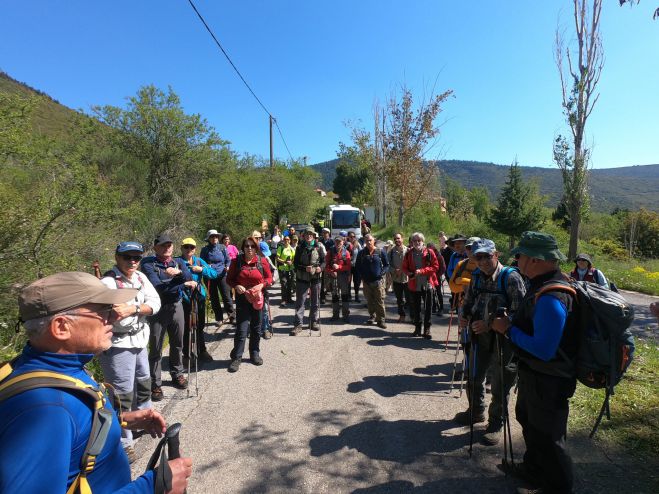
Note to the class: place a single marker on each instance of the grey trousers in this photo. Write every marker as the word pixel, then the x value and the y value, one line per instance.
pixel 301 298
pixel 168 320
pixel 374 293
pixel 339 288
pixel 127 371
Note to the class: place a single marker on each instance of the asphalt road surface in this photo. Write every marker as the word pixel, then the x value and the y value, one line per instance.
pixel 354 409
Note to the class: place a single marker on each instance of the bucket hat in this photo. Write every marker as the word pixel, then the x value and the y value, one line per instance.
pixel 540 246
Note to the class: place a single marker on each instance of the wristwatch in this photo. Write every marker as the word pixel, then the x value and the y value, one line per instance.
pixel 137 310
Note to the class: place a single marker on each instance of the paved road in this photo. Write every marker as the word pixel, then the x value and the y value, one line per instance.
pixel 358 409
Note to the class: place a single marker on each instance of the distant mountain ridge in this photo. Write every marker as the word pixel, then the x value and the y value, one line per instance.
pixel 627 187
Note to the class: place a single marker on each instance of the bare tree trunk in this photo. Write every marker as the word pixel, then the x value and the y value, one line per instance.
pixel 401 211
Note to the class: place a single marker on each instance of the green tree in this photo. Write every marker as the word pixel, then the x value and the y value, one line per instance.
pixel 519 207
pixel 480 201
pixel 353 182
pixel 458 204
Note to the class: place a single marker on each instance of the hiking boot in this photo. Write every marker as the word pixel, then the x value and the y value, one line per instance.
pixel 315 326
pixel 417 331
pixel 180 382
pixel 357 299
pixel 492 434
pixel 156 393
pixel 370 320
pixel 130 453
pixel 295 331
pixel 519 471
pixel 267 334
pixel 234 365
pixel 401 318
pixel 256 359
pixel 426 334
pixel 335 317
pixel 205 356
pixel 282 305
pixel 382 324
pixel 462 418
pixel 232 320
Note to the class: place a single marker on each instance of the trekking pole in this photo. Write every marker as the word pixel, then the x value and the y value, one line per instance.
pixel 192 341
pixel 463 335
pixel 474 352
pixel 448 333
pixel 455 363
pixel 504 404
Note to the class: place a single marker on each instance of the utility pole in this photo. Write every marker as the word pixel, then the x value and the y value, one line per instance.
pixel 272 159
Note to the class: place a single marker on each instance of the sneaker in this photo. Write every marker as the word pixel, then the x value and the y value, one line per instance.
pixel 382 324
pixel 232 320
pixel 426 334
pixel 492 434
pixel 417 332
pixel 370 320
pixel 234 365
pixel 205 356
pixel 180 382
pixel 295 331
pixel 267 334
pixel 130 453
pixel 156 393
pixel 315 326
pixel 462 418
pixel 256 359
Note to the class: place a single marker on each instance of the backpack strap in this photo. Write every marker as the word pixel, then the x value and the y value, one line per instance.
pixel 95 397
pixel 555 286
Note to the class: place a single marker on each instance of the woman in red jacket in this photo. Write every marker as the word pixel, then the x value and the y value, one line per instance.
pixel 420 265
pixel 249 275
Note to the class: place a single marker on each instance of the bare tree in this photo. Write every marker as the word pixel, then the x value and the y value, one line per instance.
pixel 579 78
pixel 406 136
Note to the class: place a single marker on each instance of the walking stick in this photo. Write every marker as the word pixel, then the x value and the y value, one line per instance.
pixel 192 341
pixel 474 350
pixel 450 321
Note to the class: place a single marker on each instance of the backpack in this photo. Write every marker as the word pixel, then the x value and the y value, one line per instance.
pixel 259 266
pixel 502 283
pixel 605 342
pixel 94 397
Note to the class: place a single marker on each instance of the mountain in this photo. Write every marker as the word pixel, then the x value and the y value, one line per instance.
pixel 628 187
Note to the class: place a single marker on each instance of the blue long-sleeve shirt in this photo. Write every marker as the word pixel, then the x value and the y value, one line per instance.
pixel 453 262
pixel 207 272
pixel 549 320
pixel 372 267
pixel 217 257
pixel 170 289
pixel 44 431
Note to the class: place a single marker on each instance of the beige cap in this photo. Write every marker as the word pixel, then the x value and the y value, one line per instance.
pixel 63 291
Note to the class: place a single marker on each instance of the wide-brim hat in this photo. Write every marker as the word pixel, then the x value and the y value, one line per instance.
pixel 210 233
pixel 312 231
pixel 65 291
pixel 539 246
pixel 584 257
pixel 459 237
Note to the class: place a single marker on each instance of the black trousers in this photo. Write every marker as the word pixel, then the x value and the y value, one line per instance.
pixel 402 293
pixel 216 288
pixel 286 279
pixel 201 323
pixel 415 307
pixel 542 410
pixel 248 320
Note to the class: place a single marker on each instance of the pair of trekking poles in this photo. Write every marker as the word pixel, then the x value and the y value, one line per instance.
pixel 469 365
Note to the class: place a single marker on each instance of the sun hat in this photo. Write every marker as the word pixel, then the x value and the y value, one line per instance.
pixel 188 241
pixel 584 257
pixel 539 246
pixel 470 241
pixel 64 291
pixel 211 233
pixel 483 246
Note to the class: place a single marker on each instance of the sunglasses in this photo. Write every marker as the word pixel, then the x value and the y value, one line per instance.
pixel 482 257
pixel 189 247
pixel 106 315
pixel 126 257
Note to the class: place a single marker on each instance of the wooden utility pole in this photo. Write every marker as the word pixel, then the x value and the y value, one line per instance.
pixel 272 158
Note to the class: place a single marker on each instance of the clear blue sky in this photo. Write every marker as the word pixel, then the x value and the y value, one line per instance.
pixel 316 65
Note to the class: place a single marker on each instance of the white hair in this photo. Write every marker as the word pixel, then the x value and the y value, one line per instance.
pixel 420 236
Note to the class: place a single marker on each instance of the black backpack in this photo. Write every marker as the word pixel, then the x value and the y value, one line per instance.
pixel 605 342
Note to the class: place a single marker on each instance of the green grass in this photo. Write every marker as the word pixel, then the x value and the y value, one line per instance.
pixel 634 407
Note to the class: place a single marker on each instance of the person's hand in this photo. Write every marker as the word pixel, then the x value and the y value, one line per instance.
pixel 335 267
pixel 334 274
pixel 289 262
pixel 399 271
pixel 462 322
pixel 318 270
pixel 196 269
pixel 122 311
pixel 148 420
pixel 191 284
pixel 171 271
pixel 181 472
pixel 417 272
pixel 240 289
pixel 479 326
pixel 501 325
pixel 309 269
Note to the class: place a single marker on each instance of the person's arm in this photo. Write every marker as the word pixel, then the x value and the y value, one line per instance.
pixel 151 298
pixel 267 273
pixel 453 284
pixel 442 267
pixel 432 266
pixel 548 324
pixel 451 266
pixel 385 262
pixel 515 291
pixel 207 272
pixel 232 277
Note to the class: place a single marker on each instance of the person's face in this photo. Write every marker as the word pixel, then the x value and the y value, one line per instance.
pixel 459 246
pixel 524 265
pixel 417 243
pixel 287 240
pixel 309 237
pixel 291 230
pixel 398 240
pixel 249 249
pixel 227 240
pixel 468 251
pixel 370 242
pixel 90 329
pixel 188 251
pixel 164 250
pixel 351 237
pixel 214 239
pixel 582 264
pixel 338 244
pixel 487 263
pixel 326 235
pixel 128 262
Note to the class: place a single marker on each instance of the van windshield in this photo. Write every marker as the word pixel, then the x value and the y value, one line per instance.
pixel 345 219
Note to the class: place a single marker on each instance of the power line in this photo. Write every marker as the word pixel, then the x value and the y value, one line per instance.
pixel 219 45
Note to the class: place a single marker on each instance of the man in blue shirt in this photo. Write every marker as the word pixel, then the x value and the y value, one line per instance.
pixel 68 319
pixel 543 330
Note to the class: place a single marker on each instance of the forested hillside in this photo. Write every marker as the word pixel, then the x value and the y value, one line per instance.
pixel 630 187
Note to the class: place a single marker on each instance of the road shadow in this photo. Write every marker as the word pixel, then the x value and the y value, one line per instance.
pixel 390 386
pixel 401 441
pixel 475 484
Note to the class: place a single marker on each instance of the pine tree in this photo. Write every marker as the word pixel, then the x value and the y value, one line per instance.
pixel 519 207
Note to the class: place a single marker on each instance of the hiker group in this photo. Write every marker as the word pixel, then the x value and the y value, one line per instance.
pixel 516 324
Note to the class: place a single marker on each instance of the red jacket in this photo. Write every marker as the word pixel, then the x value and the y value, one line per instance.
pixel 343 263
pixel 429 267
pixel 249 274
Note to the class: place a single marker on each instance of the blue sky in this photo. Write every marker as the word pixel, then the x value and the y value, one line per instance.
pixel 316 65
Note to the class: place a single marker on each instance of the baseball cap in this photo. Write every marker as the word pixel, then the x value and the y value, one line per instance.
pixel 129 247
pixel 483 245
pixel 163 238
pixel 64 291
pixel 188 241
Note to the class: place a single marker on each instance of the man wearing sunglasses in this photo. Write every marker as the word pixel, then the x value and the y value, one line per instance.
pixel 492 287
pixel 126 364
pixel 44 431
